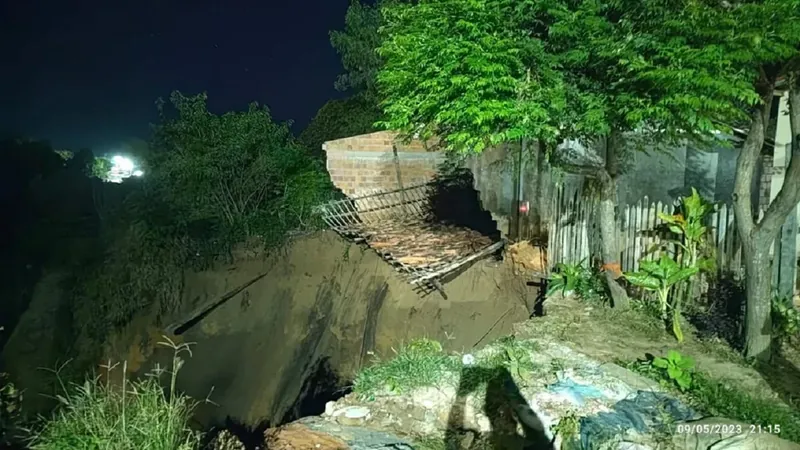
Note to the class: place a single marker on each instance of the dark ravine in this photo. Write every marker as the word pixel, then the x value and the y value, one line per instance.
pixel 276 339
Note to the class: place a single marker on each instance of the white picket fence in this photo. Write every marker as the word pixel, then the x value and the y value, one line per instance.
pixel 574 234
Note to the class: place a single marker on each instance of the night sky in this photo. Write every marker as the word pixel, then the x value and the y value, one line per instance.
pixel 87 73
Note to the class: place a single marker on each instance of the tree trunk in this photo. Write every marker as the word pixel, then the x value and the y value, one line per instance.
pixel 608 223
pixel 758 236
pixel 758 323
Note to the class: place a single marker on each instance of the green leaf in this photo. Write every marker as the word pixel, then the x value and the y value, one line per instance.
pixel 661 363
pixel 674 356
pixel 643 279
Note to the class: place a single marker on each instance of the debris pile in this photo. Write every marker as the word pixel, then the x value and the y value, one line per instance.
pixel 527 257
pixel 423 244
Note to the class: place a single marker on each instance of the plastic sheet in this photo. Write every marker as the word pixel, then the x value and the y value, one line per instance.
pixel 645 413
pixel 576 393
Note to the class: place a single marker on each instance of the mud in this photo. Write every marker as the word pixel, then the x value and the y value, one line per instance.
pixel 292 340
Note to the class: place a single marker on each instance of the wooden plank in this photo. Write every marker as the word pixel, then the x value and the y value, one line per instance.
pixel 451 267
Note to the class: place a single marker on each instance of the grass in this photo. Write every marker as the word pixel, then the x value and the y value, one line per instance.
pixel 717 397
pixel 420 363
pixel 136 415
pixel 423 363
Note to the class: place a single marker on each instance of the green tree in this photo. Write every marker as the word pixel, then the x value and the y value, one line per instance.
pixel 483 72
pixel 762 38
pixel 239 170
pixel 338 119
pixel 357 45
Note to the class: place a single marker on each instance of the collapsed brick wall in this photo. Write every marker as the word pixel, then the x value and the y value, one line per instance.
pixel 364 164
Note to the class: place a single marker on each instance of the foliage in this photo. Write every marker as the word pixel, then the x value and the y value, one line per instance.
pixel 677 367
pixel 585 281
pixel 211 182
pixel 689 227
pixel 565 278
pixel 99 168
pixel 420 363
pixel 720 398
pixel 339 119
pixel 660 277
pixel 10 403
pixel 465 72
pixel 785 318
pixel 568 428
pixel 233 170
pixel 136 415
pixel 357 45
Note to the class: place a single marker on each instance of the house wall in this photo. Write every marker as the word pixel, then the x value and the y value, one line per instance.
pixel 363 164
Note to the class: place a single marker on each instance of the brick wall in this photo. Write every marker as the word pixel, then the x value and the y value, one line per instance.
pixel 363 164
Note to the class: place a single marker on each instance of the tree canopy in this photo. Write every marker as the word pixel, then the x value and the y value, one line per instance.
pixel 240 170
pixel 466 72
pixel 338 119
pixel 488 71
pixel 357 44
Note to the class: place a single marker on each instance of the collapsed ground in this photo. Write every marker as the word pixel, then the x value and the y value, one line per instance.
pixel 411 394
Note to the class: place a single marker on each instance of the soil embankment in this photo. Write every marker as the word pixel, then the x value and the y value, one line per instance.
pixel 288 342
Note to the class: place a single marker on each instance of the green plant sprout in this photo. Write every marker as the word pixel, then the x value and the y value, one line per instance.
pixel 677 367
pixel 565 278
pixel 689 227
pixel 660 276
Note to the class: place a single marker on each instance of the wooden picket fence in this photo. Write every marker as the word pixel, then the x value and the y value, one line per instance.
pixel 574 234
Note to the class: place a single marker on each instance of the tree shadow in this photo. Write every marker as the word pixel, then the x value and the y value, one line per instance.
pixel 505 406
pixel 721 314
pixel 783 376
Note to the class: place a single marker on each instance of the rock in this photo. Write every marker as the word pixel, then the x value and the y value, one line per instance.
pixel 353 415
pixel 632 446
pixel 467 440
pixel 313 433
pixel 225 440
pixel 715 433
pixel 299 437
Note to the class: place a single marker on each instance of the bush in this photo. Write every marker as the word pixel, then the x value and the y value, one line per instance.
pixel 136 415
pixel 10 400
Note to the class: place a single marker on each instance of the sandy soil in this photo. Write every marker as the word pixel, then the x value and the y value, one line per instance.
pixel 325 309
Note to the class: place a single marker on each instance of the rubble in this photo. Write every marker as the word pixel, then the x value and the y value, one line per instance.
pixel 423 244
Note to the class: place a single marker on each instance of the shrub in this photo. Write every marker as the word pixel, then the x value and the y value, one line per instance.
pixel 136 415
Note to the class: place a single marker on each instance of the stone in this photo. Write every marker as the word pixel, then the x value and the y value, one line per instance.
pixel 225 440
pixel 353 415
pixel 299 437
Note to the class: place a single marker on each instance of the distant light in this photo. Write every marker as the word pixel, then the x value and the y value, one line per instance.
pixel 137 173
pixel 122 163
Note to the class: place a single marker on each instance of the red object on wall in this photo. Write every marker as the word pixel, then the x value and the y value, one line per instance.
pixel 524 207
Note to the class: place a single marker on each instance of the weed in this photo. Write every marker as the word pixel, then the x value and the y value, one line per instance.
pixel 785 318
pixel 420 363
pixel 585 281
pixel 568 428
pixel 716 397
pixel 677 367
pixel 136 415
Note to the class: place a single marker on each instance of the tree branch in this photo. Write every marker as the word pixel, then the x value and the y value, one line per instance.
pixel 789 195
pixel 746 164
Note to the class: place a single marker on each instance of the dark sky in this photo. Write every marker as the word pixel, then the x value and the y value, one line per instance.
pixel 87 73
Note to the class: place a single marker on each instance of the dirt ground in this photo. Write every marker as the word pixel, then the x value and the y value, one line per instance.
pixel 610 336
pixel 324 309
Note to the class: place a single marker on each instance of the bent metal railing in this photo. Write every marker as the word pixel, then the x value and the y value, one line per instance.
pixel 402 228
